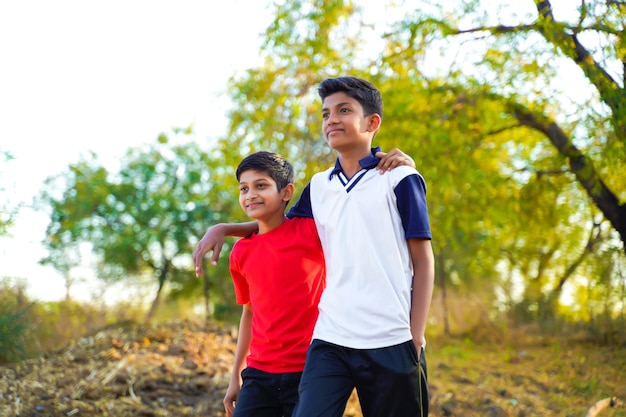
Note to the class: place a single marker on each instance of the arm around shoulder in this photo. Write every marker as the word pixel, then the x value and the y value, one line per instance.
pixel 213 240
pixel 392 159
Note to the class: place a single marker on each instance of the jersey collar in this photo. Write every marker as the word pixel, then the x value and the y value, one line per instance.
pixel 369 162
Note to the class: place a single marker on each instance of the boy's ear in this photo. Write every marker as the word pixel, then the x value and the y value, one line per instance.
pixel 374 123
pixel 287 192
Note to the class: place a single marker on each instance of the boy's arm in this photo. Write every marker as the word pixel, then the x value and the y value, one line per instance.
pixel 213 240
pixel 393 158
pixel 423 282
pixel 241 351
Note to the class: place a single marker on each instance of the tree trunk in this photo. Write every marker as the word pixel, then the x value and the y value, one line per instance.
pixel 611 93
pixel 68 285
pixel 155 302
pixel 444 296
pixel 205 291
pixel 580 165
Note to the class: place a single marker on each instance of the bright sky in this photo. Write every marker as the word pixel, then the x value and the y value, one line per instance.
pixel 79 76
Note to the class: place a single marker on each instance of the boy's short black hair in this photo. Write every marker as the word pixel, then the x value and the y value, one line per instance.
pixel 271 163
pixel 362 91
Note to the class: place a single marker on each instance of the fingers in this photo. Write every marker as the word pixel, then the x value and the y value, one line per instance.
pixel 383 161
pixel 199 272
pixel 393 159
pixel 208 243
pixel 217 249
pixel 229 404
pixel 229 407
pixel 198 256
pixel 201 250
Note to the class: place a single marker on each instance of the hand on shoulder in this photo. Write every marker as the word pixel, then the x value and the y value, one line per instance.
pixel 392 159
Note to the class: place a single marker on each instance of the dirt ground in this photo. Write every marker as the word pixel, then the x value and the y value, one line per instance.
pixel 182 369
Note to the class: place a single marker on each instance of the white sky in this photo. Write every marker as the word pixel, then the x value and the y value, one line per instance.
pixel 79 76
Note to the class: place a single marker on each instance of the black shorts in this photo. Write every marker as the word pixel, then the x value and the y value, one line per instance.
pixel 390 381
pixel 267 395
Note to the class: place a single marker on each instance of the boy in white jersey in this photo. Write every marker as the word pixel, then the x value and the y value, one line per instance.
pixel 380 269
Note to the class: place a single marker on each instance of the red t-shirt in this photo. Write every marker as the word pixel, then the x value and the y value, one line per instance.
pixel 282 274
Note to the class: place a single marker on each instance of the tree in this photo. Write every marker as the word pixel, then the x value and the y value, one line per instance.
pixel 504 200
pixel 64 257
pixel 142 219
pixel 274 106
pixel 517 66
pixel 569 145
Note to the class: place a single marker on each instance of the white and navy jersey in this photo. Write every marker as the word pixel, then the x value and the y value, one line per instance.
pixel 364 223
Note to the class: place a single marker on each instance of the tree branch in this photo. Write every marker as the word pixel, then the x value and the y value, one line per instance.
pixel 544 7
pixel 610 91
pixel 495 29
pixel 603 404
pixel 582 167
pixel 617 3
pixel 596 27
pixel 594 238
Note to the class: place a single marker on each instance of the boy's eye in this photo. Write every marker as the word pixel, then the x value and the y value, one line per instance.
pixel 324 115
pixel 344 110
pixel 243 189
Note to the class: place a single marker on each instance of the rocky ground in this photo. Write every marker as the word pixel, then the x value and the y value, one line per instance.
pixel 182 369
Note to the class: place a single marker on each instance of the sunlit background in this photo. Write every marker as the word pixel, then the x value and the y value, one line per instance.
pixel 142 109
pixel 79 77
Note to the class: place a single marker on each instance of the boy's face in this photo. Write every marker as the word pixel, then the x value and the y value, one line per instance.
pixel 345 124
pixel 259 196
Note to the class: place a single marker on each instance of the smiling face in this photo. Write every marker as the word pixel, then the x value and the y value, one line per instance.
pixel 345 126
pixel 260 198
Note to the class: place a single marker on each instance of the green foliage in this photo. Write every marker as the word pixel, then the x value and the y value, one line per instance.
pixel 524 169
pixel 29 328
pixel 551 170
pixel 275 106
pixel 509 213
pixel 13 329
pixel 17 324
pixel 142 219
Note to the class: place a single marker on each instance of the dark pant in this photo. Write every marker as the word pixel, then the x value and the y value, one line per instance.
pixel 390 381
pixel 267 395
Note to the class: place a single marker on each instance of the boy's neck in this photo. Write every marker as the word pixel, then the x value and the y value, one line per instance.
pixel 267 225
pixel 350 161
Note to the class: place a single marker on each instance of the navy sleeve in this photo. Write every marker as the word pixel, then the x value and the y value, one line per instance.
pixel 411 200
pixel 302 208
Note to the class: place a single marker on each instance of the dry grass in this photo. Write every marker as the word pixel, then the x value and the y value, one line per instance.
pixel 539 378
pixel 181 369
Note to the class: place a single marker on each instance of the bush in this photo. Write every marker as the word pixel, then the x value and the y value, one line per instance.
pixel 13 331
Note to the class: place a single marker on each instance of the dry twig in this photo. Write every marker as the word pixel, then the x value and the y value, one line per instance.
pixel 603 404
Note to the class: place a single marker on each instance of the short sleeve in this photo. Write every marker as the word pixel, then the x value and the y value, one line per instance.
pixel 302 208
pixel 411 201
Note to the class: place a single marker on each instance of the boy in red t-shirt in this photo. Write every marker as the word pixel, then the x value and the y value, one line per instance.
pixel 279 274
